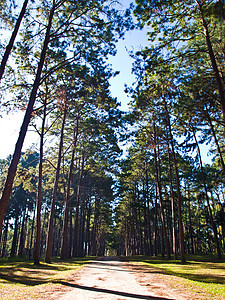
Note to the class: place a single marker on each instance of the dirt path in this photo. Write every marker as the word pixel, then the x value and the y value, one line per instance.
pixel 110 278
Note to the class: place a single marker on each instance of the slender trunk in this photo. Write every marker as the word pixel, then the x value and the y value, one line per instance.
pixel 207 198
pixel 23 130
pixel 94 230
pixel 15 237
pixel 148 224
pixel 81 230
pixel 216 141
pixel 31 237
pixel 87 235
pixel 172 204
pixel 64 249
pixel 71 229
pixel 179 202
pixel 43 234
pixel 4 254
pixel 54 194
pixel 75 241
pixel 158 184
pixel 22 234
pixel 213 61
pixel 12 39
pixel 39 194
pixel 156 224
pixel 190 222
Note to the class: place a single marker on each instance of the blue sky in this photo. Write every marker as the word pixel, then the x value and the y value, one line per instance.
pixel 122 62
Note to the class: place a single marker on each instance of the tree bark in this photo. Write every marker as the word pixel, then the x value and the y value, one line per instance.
pixel 172 203
pixel 213 60
pixel 39 194
pixel 22 234
pixel 64 249
pixel 156 224
pixel 23 130
pixel 179 202
pixel 207 198
pixel 158 184
pixel 54 194
pixel 31 237
pixel 190 221
pixel 3 253
pixel 215 139
pixel 15 238
pixel 12 39
pixel 76 229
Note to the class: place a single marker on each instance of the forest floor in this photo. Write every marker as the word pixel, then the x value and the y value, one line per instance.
pixel 111 278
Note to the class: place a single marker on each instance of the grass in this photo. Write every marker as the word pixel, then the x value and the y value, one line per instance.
pixel 21 279
pixel 204 274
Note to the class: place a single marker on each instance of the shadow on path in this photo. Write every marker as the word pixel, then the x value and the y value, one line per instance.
pixel 100 290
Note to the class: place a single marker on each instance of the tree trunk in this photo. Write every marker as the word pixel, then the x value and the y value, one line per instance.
pixel 15 238
pixel 54 194
pixel 190 222
pixel 12 39
pixel 43 235
pixel 31 238
pixel 76 229
pixel 81 230
pixel 22 234
pixel 172 204
pixel 65 249
pixel 4 254
pixel 23 130
pixel 148 224
pixel 39 194
pixel 179 202
pixel 158 184
pixel 216 140
pixel 207 198
pixel 156 224
pixel 87 235
pixel 213 61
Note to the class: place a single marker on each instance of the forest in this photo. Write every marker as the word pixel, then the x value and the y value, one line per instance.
pixel 103 181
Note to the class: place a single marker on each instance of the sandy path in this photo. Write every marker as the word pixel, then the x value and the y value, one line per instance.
pixel 109 278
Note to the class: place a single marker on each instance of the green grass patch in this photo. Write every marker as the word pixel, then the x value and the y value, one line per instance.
pixel 206 273
pixel 20 279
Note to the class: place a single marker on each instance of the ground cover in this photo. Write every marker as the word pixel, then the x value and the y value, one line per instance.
pixel 21 279
pixel 202 274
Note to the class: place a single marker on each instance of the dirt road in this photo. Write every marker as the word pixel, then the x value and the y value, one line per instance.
pixel 110 278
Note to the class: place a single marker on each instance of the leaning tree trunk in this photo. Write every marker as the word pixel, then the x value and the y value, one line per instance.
pixel 54 194
pixel 64 250
pixel 213 60
pixel 216 140
pixel 39 194
pixel 12 39
pixel 23 130
pixel 207 197
pixel 181 230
